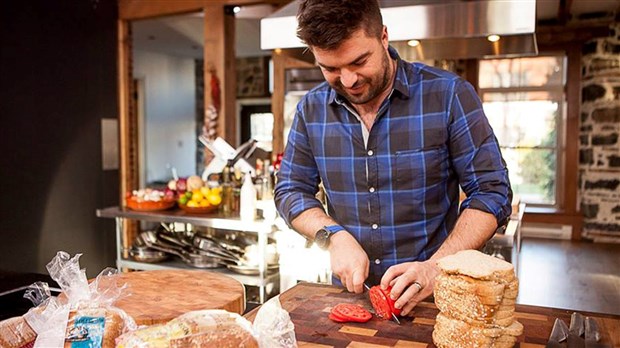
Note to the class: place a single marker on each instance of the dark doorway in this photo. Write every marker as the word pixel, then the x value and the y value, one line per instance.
pixel 246 113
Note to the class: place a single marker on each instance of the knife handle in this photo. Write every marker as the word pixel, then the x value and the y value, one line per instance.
pixel 592 331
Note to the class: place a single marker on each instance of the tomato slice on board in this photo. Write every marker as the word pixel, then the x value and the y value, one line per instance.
pixel 335 318
pixel 338 316
pixel 351 312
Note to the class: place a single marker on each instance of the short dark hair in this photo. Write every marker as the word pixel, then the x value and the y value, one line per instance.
pixel 326 23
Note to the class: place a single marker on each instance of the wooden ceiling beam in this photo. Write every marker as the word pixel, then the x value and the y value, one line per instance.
pixel 564 11
pixel 555 35
pixel 141 9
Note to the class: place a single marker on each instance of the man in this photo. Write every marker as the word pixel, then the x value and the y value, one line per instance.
pixel 391 141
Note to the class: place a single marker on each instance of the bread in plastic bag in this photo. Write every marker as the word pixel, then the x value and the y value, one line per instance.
pixel 272 328
pixel 16 333
pixel 83 312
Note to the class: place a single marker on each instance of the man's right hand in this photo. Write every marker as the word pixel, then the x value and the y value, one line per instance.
pixel 349 261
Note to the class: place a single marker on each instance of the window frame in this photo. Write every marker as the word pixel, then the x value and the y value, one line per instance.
pixel 560 126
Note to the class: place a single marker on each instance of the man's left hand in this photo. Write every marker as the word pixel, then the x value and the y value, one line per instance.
pixel 411 282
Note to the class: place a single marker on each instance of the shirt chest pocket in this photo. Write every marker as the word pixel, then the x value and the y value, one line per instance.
pixel 420 168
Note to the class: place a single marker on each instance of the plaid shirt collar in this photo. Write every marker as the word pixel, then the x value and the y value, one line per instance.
pixel 400 82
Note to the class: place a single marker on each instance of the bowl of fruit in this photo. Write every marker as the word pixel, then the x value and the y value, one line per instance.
pixel 150 200
pixel 201 201
pixel 195 196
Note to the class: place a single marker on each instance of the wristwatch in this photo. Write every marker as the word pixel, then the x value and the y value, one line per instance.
pixel 322 236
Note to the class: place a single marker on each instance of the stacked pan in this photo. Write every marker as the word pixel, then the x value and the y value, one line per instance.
pixel 194 249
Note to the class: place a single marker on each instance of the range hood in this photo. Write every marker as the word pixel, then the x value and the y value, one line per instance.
pixel 444 29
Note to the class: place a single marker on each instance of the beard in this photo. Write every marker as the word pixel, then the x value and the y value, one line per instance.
pixel 377 83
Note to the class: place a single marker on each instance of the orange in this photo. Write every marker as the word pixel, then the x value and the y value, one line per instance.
pixel 204 203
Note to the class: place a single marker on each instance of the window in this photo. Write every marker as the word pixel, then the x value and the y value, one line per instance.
pixel 525 103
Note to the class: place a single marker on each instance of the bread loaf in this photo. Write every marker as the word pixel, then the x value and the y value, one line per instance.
pixel 477 265
pixel 110 319
pixel 206 328
pixel 475 294
pixel 16 333
pixel 228 336
pixel 454 333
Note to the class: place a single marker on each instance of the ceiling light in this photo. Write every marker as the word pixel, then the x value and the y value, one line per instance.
pixel 493 38
pixel 236 9
pixel 413 43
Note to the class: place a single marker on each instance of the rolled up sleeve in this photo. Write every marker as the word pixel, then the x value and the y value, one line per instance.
pixel 476 155
pixel 298 178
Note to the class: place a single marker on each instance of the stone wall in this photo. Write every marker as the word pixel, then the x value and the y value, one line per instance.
pixel 599 151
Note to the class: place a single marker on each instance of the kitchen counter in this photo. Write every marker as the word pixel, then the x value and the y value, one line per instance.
pixel 309 304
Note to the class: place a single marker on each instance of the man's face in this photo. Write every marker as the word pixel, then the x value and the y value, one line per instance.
pixel 359 69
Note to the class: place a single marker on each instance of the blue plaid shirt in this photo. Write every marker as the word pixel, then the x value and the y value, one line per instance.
pixel 399 194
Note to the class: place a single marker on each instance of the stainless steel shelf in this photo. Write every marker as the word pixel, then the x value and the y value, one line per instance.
pixel 261 227
pixel 215 220
pixel 250 280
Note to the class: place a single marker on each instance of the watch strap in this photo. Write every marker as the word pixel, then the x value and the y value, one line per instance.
pixel 334 228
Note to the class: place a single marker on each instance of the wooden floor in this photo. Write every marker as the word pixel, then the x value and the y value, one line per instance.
pixel 571 275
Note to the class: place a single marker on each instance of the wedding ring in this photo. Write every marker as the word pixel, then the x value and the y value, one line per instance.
pixel 418 285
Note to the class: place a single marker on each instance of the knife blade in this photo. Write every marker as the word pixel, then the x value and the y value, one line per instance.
pixel 575 331
pixel 593 334
pixel 394 317
pixel 559 333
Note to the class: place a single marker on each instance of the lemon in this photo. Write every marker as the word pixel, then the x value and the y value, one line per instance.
pixel 204 190
pixel 197 196
pixel 192 204
pixel 214 198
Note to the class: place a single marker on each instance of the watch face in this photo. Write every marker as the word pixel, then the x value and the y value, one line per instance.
pixel 321 238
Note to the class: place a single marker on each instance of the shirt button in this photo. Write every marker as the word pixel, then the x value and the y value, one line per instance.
pixel 372 189
pixel 370 153
pixel 375 226
pixel 377 261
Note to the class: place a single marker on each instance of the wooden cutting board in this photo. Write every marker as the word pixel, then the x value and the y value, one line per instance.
pixel 309 305
pixel 159 296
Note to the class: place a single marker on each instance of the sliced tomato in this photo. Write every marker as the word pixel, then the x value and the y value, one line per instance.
pixel 352 312
pixel 380 302
pixel 336 318
pixel 391 302
pixel 337 315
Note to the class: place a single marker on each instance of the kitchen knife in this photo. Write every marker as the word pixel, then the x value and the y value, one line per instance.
pixel 593 334
pixel 575 331
pixel 559 333
pixel 394 317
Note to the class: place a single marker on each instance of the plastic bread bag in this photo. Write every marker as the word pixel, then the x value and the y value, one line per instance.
pixel 272 328
pixel 82 313
pixel 194 328
pixel 273 325
pixel 16 333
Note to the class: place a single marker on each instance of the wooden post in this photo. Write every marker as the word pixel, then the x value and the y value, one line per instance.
pixel 283 60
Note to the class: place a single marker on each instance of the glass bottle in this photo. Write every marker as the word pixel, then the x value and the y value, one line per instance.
pixel 227 191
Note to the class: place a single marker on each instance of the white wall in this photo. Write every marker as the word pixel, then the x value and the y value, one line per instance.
pixel 170 120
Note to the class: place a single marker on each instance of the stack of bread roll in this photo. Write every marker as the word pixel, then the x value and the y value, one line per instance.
pixel 476 295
